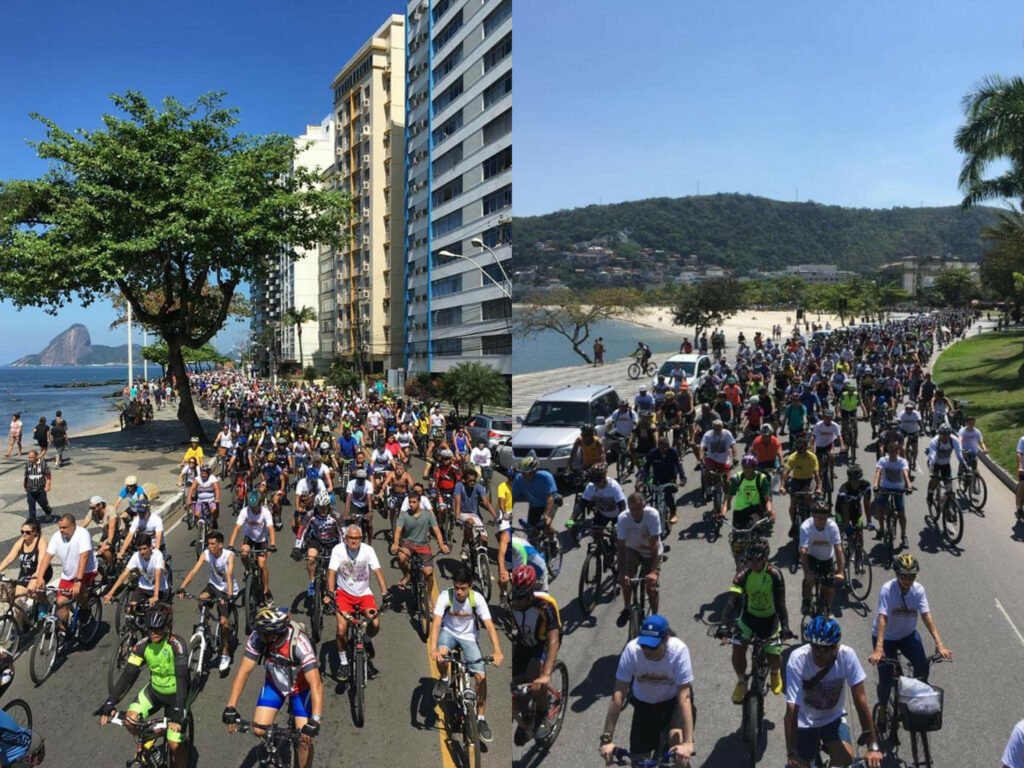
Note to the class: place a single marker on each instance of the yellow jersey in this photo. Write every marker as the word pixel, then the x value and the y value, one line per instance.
pixel 505 496
pixel 802 466
pixel 193 453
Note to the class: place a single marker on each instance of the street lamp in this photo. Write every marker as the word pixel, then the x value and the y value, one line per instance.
pixel 478 242
pixel 505 291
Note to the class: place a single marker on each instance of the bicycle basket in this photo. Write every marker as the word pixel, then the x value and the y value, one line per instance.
pixel 913 720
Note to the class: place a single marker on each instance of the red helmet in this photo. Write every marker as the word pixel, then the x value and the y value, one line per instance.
pixel 523 582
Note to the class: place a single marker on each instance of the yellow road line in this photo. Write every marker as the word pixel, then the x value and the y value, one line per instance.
pixel 442 732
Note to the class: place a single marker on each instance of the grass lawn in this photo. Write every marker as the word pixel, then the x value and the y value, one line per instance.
pixel 988 370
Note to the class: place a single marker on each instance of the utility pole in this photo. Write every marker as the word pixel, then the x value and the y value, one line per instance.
pixel 131 373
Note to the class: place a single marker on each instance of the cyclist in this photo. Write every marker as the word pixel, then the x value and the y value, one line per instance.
pixel 800 469
pixel 661 467
pixel 972 442
pixel 535 647
pixel 717 451
pixel 643 403
pixel 654 671
pixel 643 352
pixel 258 536
pixel 348 584
pixel 73 546
pixel 166 656
pixel 911 425
pixel 748 494
pixel 457 612
pixel 152 570
pixel 826 434
pixel 900 601
pixel 359 501
pixel 940 455
pixel 205 489
pixel 849 399
pixel 188 473
pixel 194 451
pixel 588 448
pixel 795 416
pixel 821 556
pixel 292 673
pixel 481 458
pixel 320 534
pixel 445 475
pixel 306 490
pixel 221 586
pixel 816 677
pixel 853 503
pixel 132 494
pixel 757 600
pixel 768 450
pixel 638 532
pixel 469 497
pixel 413 530
pixel 275 481
pixel 26 551
pixel 537 487
pixel 604 496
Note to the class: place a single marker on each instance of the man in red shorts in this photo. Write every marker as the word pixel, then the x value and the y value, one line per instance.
pixel 412 534
pixel 73 545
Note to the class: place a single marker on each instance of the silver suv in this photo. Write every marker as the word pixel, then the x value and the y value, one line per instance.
pixel 553 424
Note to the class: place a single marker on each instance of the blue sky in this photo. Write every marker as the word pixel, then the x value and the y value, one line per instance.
pixel 63 59
pixel 851 103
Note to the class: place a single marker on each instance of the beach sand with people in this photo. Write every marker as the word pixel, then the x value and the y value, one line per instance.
pixel 748 321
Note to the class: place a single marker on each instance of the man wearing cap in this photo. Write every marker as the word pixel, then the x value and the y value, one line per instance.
pixel 132 493
pixel 656 666
pixel 110 524
pixel 195 451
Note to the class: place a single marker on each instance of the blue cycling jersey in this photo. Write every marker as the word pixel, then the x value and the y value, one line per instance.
pixel 15 741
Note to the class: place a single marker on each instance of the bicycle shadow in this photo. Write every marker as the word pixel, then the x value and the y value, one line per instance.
pixel 422 707
pixel 1017 533
pixel 596 685
pixel 532 758
pixel 710 613
pixel 931 540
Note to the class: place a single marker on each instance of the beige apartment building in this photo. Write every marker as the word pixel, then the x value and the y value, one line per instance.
pixel 361 318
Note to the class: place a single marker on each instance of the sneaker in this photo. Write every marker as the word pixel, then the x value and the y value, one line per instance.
pixel 872 527
pixel 343 671
pixel 904 543
pixel 673 519
pixel 776 681
pixel 225 664
pixel 464 555
pixel 623 618
pixel 440 689
pixel 311 589
pixel 485 731
pixel 739 692
pixel 520 737
pixel 544 729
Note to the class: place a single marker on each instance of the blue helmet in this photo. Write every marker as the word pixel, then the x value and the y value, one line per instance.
pixel 312 475
pixel 242 440
pixel 823 631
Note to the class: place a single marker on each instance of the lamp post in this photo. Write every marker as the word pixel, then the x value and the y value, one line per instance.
pixel 505 291
pixel 478 242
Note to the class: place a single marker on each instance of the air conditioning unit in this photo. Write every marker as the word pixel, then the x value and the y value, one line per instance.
pixel 366 213
pixel 366 159
pixel 364 295
pixel 366 103
pixel 366 239
pixel 366 186
pixel 366 267
pixel 366 130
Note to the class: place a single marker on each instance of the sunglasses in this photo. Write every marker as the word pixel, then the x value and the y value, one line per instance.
pixel 27 533
pixel 907 577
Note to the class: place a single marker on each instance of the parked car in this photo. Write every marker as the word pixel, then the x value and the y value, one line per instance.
pixel 491 429
pixel 553 423
pixel 695 368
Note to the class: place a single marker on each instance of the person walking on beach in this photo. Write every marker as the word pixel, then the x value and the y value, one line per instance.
pixel 41 434
pixel 599 351
pixel 37 483
pixel 59 438
pixel 14 435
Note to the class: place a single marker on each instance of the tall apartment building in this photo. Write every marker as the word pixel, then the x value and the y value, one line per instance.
pixel 360 299
pixel 458 184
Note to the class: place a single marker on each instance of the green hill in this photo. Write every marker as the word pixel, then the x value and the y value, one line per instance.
pixel 746 232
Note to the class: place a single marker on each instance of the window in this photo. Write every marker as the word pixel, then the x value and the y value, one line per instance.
pixel 447 223
pixel 497 163
pixel 498 127
pixel 448 64
pixel 448 160
pixel 496 345
pixel 495 309
pixel 446 286
pixel 446 347
pixel 497 90
pixel 447 128
pixel 448 191
pixel 494 270
pixel 499 235
pixel 497 200
pixel 495 17
pixel 439 261
pixel 440 9
pixel 498 52
pixel 450 316
pixel 448 32
pixel 450 94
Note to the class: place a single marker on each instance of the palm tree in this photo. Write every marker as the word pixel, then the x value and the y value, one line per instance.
pixel 475 383
pixel 297 317
pixel 994 132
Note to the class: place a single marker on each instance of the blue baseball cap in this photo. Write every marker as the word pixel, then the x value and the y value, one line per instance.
pixel 653 631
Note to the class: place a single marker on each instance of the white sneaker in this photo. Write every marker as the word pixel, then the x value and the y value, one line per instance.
pixel 225 664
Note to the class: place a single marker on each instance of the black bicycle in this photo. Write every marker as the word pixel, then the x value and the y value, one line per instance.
pixel 479 562
pixel 944 512
pixel 55 640
pixel 971 484
pixel 818 606
pixel 252 583
pixel 741 538
pixel 133 629
pixel 599 574
pixel 547 544
pixel 638 604
pixel 419 595
pixel 856 566
pixel 316 606
pixel 279 744
pixel 152 749
pixel 207 636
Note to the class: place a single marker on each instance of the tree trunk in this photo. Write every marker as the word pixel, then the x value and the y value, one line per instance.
pixel 298 332
pixel 186 408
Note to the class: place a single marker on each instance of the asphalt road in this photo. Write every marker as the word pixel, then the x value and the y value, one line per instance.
pixel 974 592
pixel 402 723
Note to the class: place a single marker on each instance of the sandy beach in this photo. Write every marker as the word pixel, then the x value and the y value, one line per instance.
pixel 748 321
pixel 114 425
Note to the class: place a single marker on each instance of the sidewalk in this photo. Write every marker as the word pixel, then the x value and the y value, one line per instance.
pixel 97 465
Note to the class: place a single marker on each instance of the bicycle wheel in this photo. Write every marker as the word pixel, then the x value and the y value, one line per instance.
pixel 120 610
pixel 922 755
pixel 44 654
pixel 88 631
pixel 977 492
pixel 636 617
pixel 553 554
pixel 748 727
pixel 621 464
pixel 861 576
pixel 118 659
pixel 952 520
pixel 590 582
pixel 483 573
pixel 20 712
pixel 359 688
pixel 423 615
pixel 471 734
pixel 200 542
pixel 634 371
pixel 316 612
pixel 9 634
pixel 196 661
pixel 252 600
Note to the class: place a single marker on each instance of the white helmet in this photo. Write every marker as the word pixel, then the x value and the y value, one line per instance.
pixel 323 499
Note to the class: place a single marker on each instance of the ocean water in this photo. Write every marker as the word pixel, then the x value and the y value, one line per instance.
pixel 22 391
pixel 550 350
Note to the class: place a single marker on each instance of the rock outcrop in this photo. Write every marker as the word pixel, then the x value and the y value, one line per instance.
pixel 74 347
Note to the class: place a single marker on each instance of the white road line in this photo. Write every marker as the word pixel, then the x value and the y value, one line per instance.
pixel 1010 621
pixel 177 497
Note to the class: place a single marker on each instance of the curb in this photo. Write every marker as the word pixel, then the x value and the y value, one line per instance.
pixel 999 472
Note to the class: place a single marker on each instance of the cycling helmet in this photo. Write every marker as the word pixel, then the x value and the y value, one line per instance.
pixel 828 412
pixel 945 429
pixel 131 480
pixel 906 564
pixel 730 380
pixel 529 464
pixel 753 401
pixel 523 582
pixel 749 460
pixel 821 509
pixel 598 472
pixel 270 620
pixel 158 618
pixel 767 429
pixel 854 472
pixel 323 499
pixel 312 475
pixel 670 395
pixel 360 474
pixel 758 549
pixel 6 669
pixel 142 507
pixel 823 631
pixel 206 468
pixel 254 499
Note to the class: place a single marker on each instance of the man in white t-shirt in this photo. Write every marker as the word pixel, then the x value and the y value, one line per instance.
pixel 816 678
pixel 604 495
pixel 656 666
pixel 146 521
pixel 73 546
pixel 222 586
pixel 456 613
pixel 149 564
pixel 892 477
pixel 256 524
pixel 348 580
pixel 821 555
pixel 638 532
pixel 1013 755
pixel 826 434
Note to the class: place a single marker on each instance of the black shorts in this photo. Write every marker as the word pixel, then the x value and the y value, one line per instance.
pixel 522 655
pixel 257 546
pixel 650 721
pixel 944 471
pixel 221 597
pixel 743 518
pixel 139 594
pixel 824 568
pixel 535 516
pixel 321 546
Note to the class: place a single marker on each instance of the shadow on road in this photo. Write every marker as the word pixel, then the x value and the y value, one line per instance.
pixel 596 685
pixel 422 710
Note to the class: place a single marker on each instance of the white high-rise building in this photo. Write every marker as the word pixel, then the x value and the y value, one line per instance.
pixel 458 184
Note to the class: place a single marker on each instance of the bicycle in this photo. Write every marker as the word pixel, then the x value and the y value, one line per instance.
pixel 817 606
pixel 712 488
pixel 151 747
pixel 849 430
pixel 944 512
pixel 828 477
pixel 200 519
pixel 639 368
pixel 638 604
pixel 462 705
pixel 752 723
pixel 958 416
pixel 600 570
pixel 971 484
pixel 316 606
pixel 132 630
pixel 663 757
pixel 547 544
pixel 18 621
pixel 910 450
pixel 479 563
pixel 741 538
pixel 856 566
pixel 54 640
pixel 892 713
pixel 359 659
pixel 658 497
pixel 887 517
pixel 206 642
pixel 419 605
pixel 524 705
pixel 252 583
pixel 279 744
pixel 805 501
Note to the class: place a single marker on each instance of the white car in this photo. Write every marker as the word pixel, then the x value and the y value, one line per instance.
pixel 695 368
